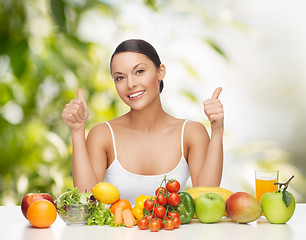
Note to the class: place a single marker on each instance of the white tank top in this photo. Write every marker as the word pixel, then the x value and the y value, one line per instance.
pixel 131 185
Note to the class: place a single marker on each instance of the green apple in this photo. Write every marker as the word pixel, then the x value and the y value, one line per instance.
pixel 274 208
pixel 209 207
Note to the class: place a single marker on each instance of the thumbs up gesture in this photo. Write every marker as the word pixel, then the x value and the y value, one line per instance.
pixel 214 110
pixel 75 112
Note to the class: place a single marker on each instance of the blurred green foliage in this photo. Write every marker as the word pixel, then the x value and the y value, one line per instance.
pixel 42 63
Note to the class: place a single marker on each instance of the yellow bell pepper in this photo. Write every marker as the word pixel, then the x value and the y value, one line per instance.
pixel 139 202
pixel 137 212
pixel 139 206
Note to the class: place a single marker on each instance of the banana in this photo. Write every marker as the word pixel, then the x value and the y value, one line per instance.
pixel 198 191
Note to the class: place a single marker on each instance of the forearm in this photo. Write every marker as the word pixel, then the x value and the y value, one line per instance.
pixel 82 171
pixel 211 170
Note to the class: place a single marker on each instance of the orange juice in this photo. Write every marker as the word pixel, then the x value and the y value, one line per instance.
pixel 263 186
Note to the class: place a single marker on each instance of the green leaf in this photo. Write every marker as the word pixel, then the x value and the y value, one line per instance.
pixel 286 198
pixel 58 13
pixel 152 4
pixel 189 95
pixel 216 47
pixel 18 54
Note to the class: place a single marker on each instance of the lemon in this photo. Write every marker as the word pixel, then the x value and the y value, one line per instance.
pixel 106 193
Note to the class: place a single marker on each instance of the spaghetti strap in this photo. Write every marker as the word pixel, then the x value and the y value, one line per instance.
pixel 113 138
pixel 182 137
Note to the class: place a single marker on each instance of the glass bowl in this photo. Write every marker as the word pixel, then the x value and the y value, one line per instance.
pixel 75 213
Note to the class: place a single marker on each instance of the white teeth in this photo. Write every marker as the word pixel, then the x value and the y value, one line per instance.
pixel 136 94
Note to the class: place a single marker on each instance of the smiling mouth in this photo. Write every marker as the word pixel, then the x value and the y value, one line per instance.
pixel 135 95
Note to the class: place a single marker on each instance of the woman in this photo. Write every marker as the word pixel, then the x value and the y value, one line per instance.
pixel 136 150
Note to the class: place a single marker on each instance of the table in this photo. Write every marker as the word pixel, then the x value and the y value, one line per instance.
pixel 14 226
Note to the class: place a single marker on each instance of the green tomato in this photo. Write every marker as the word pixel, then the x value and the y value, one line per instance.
pixel 209 207
pixel 275 209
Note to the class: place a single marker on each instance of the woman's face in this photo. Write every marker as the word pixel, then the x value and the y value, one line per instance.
pixel 136 78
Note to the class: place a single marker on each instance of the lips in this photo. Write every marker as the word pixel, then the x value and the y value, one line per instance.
pixel 136 95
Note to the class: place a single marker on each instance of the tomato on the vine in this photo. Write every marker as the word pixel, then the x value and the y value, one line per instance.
pixel 174 199
pixel 177 222
pixel 149 217
pixel 173 186
pixel 148 204
pixel 160 190
pixel 154 226
pixel 169 225
pixel 161 199
pixel 143 223
pixel 159 212
pixel 173 215
pixel 160 222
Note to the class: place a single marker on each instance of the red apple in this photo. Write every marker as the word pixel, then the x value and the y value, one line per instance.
pixel 242 207
pixel 30 198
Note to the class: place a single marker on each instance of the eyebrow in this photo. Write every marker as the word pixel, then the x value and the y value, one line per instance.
pixel 133 68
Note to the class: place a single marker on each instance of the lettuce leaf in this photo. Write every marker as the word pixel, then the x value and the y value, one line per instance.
pixel 70 197
pixel 102 215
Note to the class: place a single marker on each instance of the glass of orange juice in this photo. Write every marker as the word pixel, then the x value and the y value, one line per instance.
pixel 264 182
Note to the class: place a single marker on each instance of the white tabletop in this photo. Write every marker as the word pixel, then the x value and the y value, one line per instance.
pixel 14 226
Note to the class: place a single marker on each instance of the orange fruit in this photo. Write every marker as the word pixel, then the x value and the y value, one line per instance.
pixel 41 213
pixel 122 203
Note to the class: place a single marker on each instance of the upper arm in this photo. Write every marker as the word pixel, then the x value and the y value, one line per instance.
pixel 97 143
pixel 197 140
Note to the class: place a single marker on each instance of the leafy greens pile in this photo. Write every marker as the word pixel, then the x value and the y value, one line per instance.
pixel 101 215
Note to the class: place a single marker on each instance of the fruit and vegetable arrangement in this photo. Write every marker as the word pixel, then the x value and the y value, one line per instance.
pixel 167 209
pixel 163 210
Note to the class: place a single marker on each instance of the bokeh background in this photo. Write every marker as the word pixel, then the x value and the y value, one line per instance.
pixel 254 49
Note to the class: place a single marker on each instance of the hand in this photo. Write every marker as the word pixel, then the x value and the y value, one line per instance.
pixel 75 112
pixel 214 110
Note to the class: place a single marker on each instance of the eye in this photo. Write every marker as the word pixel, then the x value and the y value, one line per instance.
pixel 139 71
pixel 119 78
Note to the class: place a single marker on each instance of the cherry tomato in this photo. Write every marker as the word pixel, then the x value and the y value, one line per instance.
pixel 173 215
pixel 159 212
pixel 160 222
pixel 169 225
pixel 149 217
pixel 160 189
pixel 154 226
pixel 174 199
pixel 161 199
pixel 177 222
pixel 148 204
pixel 143 223
pixel 173 186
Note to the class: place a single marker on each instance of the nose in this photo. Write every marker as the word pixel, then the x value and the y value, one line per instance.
pixel 131 82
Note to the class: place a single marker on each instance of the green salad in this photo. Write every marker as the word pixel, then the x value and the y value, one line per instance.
pixel 102 215
pixel 76 207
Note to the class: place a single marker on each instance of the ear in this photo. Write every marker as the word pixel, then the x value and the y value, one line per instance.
pixel 161 72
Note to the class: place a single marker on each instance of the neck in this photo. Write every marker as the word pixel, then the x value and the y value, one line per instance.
pixel 148 119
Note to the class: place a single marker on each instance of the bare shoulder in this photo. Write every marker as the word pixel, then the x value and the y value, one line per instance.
pixel 195 131
pixel 99 128
pixel 194 127
pixel 99 134
pixel 119 121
